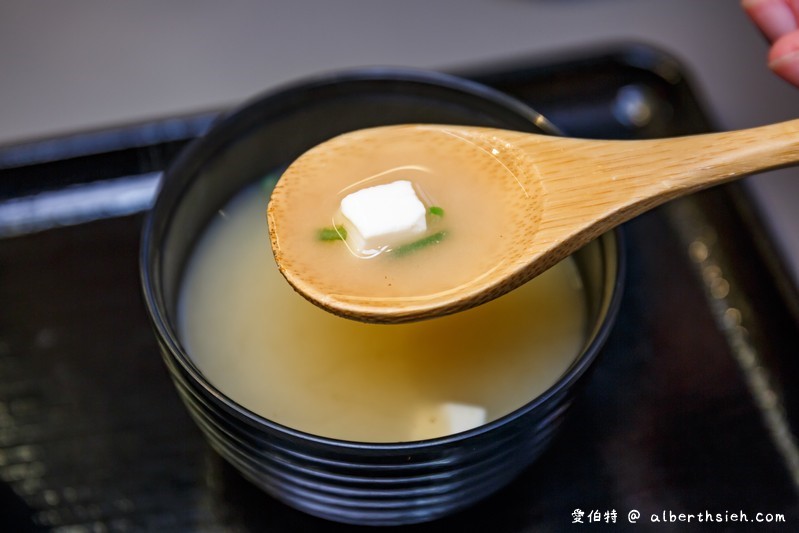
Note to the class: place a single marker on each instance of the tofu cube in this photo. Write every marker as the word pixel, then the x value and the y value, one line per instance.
pixel 463 417
pixel 383 216
pixel 447 419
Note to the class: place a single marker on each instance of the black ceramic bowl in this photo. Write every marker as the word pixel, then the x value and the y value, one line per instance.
pixel 363 483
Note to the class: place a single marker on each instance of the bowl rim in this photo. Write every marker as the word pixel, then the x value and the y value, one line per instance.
pixel 202 149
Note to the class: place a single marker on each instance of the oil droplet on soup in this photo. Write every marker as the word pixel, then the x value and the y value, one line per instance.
pixel 283 358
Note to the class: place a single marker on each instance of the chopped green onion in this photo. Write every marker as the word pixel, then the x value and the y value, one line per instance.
pixel 437 211
pixel 435 238
pixel 337 233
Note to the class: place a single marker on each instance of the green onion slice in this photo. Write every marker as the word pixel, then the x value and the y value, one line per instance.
pixel 435 238
pixel 336 233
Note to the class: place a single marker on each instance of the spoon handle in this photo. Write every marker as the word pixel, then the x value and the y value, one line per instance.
pixel 695 161
pixel 613 181
pixel 691 163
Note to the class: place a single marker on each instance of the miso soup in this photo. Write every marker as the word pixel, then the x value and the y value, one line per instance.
pixel 281 357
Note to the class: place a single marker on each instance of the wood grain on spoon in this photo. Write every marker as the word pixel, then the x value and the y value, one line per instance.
pixel 560 193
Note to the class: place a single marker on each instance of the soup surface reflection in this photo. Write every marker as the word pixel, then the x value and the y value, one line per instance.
pixel 283 358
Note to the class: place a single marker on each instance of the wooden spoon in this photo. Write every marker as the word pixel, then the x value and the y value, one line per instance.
pixel 564 192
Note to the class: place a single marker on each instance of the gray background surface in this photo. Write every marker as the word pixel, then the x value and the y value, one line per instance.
pixel 85 64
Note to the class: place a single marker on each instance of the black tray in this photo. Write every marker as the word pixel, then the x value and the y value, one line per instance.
pixel 691 409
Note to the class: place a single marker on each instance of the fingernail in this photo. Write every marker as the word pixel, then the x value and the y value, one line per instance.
pixel 788 57
pixel 787 66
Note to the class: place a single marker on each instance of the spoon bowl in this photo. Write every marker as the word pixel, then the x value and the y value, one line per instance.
pixel 558 194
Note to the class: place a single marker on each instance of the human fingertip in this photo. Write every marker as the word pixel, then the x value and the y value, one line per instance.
pixel 774 17
pixel 786 66
pixel 778 61
pixel 784 48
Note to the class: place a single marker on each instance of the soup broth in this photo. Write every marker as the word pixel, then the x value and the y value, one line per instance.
pixel 283 358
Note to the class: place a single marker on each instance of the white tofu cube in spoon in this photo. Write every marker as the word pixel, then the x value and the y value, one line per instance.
pixel 383 216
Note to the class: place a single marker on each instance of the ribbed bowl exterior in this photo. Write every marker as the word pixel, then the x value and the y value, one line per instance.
pixel 358 483
pixel 372 484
